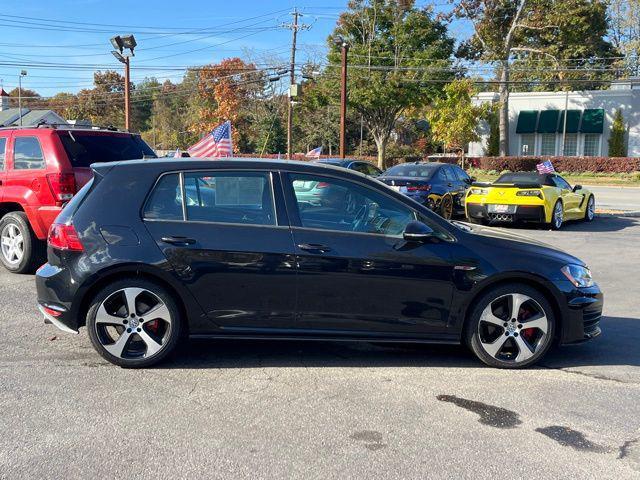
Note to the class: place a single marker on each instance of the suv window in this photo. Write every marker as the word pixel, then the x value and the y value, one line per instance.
pixel 27 154
pixel 3 144
pixel 85 148
pixel 333 204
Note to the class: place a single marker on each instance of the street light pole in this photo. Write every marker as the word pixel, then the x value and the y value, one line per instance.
pixel 120 42
pixel 343 100
pixel 23 73
pixel 127 94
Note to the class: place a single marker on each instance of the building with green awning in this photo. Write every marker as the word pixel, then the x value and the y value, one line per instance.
pixel 537 123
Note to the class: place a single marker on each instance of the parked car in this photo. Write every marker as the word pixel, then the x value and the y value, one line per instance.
pixel 358 165
pixel 439 186
pixel 530 197
pixel 41 168
pixel 257 261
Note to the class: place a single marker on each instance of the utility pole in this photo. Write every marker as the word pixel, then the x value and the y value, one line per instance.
pixel 23 73
pixel 343 97
pixel 127 94
pixel 294 27
pixel 120 43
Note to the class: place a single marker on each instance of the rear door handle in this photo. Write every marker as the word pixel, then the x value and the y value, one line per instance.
pixel 314 247
pixel 180 241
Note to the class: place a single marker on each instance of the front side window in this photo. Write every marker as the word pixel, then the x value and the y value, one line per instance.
pixel 3 144
pixel 548 144
pixel 527 144
pixel 229 197
pixel 27 154
pixel 591 144
pixel 561 183
pixel 462 175
pixel 333 204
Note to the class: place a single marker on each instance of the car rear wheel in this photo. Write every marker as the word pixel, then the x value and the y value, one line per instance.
pixel 512 326
pixel 134 323
pixel 446 207
pixel 590 212
pixel 557 217
pixel 20 249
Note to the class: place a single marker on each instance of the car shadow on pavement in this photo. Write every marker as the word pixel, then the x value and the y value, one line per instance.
pixel 616 346
pixel 599 224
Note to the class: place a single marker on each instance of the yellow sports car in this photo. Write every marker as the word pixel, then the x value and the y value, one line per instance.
pixel 529 197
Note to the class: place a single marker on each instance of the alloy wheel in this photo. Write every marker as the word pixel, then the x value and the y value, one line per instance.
pixel 591 209
pixel 12 244
pixel 133 323
pixel 446 207
pixel 513 328
pixel 558 215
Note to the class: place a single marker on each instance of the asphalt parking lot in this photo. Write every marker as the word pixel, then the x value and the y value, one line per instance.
pixel 329 410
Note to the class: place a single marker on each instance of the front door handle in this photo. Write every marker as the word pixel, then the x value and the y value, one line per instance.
pixel 180 241
pixel 314 247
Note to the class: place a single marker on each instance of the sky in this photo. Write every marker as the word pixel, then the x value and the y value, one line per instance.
pixel 38 36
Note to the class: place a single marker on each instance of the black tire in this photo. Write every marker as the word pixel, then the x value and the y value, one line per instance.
pixel 590 215
pixel 96 333
pixel 554 225
pixel 473 328
pixel 32 248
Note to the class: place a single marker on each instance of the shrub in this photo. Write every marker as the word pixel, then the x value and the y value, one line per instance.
pixel 561 164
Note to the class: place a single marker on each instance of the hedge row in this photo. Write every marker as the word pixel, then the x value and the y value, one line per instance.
pixel 561 164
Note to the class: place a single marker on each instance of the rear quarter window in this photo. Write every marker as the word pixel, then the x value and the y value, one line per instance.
pixel 3 146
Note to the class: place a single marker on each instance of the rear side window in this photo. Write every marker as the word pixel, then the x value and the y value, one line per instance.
pixel 217 197
pixel 85 148
pixel 3 144
pixel 229 197
pixel 27 154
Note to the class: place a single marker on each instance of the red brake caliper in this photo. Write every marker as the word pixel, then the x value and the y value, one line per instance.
pixel 153 326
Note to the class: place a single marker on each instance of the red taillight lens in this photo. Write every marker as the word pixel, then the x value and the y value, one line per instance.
pixel 64 237
pixel 419 188
pixel 322 185
pixel 63 186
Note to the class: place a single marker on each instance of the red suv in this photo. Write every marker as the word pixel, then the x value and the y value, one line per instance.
pixel 41 168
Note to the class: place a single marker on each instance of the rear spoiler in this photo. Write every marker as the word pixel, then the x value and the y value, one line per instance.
pixel 518 185
pixel 481 184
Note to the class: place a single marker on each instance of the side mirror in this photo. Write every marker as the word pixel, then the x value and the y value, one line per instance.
pixel 472 179
pixel 577 187
pixel 417 232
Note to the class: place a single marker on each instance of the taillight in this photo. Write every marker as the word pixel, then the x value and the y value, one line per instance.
pixel 419 188
pixel 64 237
pixel 63 186
pixel 322 185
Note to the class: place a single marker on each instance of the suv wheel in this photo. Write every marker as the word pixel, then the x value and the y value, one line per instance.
pixel 20 250
pixel 511 327
pixel 134 323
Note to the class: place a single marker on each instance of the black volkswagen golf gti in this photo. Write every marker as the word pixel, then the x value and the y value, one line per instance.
pixel 151 251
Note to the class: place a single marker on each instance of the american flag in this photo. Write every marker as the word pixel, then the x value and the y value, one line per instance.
pixel 315 153
pixel 545 167
pixel 214 145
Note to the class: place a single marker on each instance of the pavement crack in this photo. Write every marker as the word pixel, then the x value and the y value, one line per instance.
pixel 595 376
pixel 625 448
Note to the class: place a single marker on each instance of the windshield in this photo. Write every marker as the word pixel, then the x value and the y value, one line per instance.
pixel 85 148
pixel 411 170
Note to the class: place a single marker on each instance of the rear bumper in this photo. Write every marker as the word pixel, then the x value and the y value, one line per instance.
pixel 55 291
pixel 524 213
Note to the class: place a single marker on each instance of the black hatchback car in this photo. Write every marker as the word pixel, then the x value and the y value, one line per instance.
pixel 153 250
pixel 439 186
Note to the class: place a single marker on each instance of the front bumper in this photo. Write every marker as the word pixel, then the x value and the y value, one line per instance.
pixel 581 314
pixel 524 213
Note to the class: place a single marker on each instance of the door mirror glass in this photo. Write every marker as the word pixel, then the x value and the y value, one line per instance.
pixel 417 232
pixel 577 187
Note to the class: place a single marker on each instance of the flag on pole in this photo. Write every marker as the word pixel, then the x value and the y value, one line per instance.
pixel 315 153
pixel 214 145
pixel 545 167
pixel 178 154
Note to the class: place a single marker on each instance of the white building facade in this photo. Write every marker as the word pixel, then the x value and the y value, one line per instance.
pixel 537 125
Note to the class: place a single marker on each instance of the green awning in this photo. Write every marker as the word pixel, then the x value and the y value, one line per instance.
pixel 592 121
pixel 548 122
pixel 573 121
pixel 527 120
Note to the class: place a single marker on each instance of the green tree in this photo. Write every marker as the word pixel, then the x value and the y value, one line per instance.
pixel 617 140
pixel 454 119
pixel 398 55
pixel 493 144
pixel 625 32
pixel 142 99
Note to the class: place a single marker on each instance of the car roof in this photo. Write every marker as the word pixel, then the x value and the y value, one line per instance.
pixel 336 161
pixel 165 164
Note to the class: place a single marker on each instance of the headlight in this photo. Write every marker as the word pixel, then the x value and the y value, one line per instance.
pixel 579 276
pixel 479 191
pixel 529 193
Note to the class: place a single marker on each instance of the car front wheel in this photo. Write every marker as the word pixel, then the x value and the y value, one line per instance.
pixel 134 323
pixel 512 326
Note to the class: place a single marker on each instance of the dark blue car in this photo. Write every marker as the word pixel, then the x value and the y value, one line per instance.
pixel 357 165
pixel 439 186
